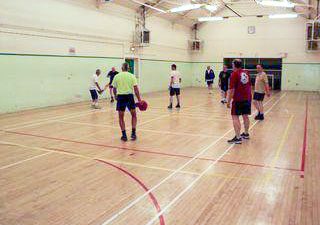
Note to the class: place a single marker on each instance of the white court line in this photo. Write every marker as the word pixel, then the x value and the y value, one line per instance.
pixel 38 120
pixel 205 171
pixel 151 131
pixel 25 160
pixel 49 120
pixel 174 173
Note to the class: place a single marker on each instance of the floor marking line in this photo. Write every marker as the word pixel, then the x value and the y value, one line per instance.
pixel 48 120
pixel 25 160
pixel 279 150
pixel 204 172
pixel 144 187
pixel 179 169
pixel 151 131
pixel 305 139
pixel 65 152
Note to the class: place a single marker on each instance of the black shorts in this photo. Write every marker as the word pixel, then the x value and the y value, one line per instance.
pixel 258 96
pixel 94 95
pixel 125 101
pixel 209 82
pixel 174 91
pixel 224 88
pixel 241 108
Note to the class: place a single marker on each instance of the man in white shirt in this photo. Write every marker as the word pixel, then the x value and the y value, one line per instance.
pixel 174 86
pixel 93 89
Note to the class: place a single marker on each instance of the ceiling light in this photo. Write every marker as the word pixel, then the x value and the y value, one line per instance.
pixel 185 8
pixel 282 16
pixel 285 4
pixel 211 8
pixel 203 19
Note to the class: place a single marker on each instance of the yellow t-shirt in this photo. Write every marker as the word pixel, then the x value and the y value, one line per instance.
pixel 124 83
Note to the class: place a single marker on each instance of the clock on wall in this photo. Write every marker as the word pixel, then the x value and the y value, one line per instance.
pixel 251 30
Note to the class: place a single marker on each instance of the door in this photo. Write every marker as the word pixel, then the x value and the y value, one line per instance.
pixel 131 65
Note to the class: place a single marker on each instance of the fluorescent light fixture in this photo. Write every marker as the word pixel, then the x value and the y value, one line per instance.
pixel 149 6
pixel 203 19
pixel 285 3
pixel 185 8
pixel 211 8
pixel 282 16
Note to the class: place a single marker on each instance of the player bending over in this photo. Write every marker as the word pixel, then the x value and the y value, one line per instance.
pixel 94 85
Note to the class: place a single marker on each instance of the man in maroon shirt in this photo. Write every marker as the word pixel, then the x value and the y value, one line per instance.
pixel 240 92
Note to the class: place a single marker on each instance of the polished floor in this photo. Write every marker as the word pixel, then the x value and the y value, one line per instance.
pixel 67 165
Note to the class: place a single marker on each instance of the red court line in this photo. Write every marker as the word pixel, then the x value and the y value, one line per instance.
pixel 144 151
pixel 145 188
pixel 305 139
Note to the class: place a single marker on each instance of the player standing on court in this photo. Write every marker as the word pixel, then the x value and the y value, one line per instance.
pixel 209 77
pixel 111 75
pixel 174 85
pixel 240 93
pixel 224 81
pixel 261 87
pixel 124 85
pixel 94 85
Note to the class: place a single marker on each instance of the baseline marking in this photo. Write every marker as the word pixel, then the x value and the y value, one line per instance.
pixel 178 170
pixel 203 173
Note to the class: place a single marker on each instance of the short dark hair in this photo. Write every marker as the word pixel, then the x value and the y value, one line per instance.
pixel 125 66
pixel 174 66
pixel 237 63
pixel 98 71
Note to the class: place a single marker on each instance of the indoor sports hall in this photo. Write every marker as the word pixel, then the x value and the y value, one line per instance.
pixel 72 153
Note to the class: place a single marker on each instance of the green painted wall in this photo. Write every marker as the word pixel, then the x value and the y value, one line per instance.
pixel 34 81
pixel 155 74
pixel 301 76
pixel 198 72
pixel 39 81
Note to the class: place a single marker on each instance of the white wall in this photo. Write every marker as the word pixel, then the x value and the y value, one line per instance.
pixel 52 26
pixel 273 38
pixel 38 33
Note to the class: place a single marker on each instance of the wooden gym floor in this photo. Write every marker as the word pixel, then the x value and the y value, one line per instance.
pixel 66 164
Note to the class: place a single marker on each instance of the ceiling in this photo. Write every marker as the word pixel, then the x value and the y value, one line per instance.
pixel 226 8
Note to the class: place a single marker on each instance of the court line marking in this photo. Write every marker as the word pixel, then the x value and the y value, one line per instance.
pixel 151 131
pixel 48 120
pixel 66 152
pixel 202 174
pixel 108 221
pixel 280 149
pixel 151 152
pixel 25 160
pixel 305 139
pixel 144 187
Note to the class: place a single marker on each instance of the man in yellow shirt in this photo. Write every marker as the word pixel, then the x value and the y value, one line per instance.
pixel 261 87
pixel 124 85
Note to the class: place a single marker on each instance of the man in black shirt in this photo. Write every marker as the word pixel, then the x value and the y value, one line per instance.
pixel 111 75
pixel 224 82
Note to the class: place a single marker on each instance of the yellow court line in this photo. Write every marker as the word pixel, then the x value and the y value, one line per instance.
pixel 280 149
pixel 132 164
